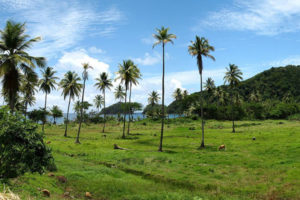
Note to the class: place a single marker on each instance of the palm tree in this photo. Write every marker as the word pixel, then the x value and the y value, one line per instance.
pixel 103 83
pixel 85 77
pixel 200 47
pixel 233 76
pixel 14 59
pixel 71 87
pixel 29 83
pixel 47 83
pixel 126 74
pixel 119 95
pixel 163 37
pixel 210 87
pixel 98 101
pixel 178 94
pixel 153 99
pixel 56 112
pixel 185 94
pixel 136 74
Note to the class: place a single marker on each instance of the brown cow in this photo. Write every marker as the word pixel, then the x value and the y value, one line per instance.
pixel 222 147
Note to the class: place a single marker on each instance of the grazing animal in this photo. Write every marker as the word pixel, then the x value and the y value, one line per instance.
pixel 61 179
pixel 49 142
pixel 222 147
pixel 46 193
pixel 253 138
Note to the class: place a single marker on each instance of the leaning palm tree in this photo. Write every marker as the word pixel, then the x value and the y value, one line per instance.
pixel 70 87
pixel 178 94
pixel 98 101
pixel 200 47
pixel 233 77
pixel 14 59
pixel 47 83
pixel 103 83
pixel 85 77
pixel 163 37
pixel 28 88
pixel 126 74
pixel 136 74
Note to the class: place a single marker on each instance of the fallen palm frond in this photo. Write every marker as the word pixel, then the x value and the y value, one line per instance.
pixel 8 195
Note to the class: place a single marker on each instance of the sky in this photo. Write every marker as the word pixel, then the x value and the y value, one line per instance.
pixel 255 35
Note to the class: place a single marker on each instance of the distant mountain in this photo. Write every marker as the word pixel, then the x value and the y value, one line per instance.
pixel 273 84
pixel 119 108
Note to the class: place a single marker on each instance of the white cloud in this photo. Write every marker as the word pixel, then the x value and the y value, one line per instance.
pixel 148 59
pixel 95 50
pixel 148 40
pixel 265 17
pixel 63 26
pixel 291 60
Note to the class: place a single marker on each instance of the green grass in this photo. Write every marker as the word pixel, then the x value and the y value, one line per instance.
pixel 265 168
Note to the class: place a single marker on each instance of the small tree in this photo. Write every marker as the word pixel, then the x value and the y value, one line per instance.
pixel 56 112
pixel 22 148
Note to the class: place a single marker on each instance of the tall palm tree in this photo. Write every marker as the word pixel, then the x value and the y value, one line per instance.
pixel 178 94
pixel 103 83
pixel 98 101
pixel 47 83
pixel 200 47
pixel 136 74
pixel 14 59
pixel 70 87
pixel 163 37
pixel 233 77
pixel 85 77
pixel 28 88
pixel 126 74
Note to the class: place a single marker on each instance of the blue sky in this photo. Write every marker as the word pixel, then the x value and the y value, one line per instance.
pixel 253 34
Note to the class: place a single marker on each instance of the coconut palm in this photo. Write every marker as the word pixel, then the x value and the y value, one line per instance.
pixel 163 37
pixel 233 77
pixel 119 93
pixel 98 101
pixel 47 83
pixel 153 98
pixel 28 88
pixel 199 48
pixel 210 87
pixel 185 94
pixel 136 74
pixel 103 83
pixel 70 87
pixel 85 77
pixel 126 74
pixel 56 112
pixel 178 94
pixel 14 59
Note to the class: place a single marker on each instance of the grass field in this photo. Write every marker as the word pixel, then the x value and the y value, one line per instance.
pixel 265 168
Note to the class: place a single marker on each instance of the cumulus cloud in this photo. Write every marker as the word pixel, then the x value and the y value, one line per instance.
pixel 265 17
pixel 148 59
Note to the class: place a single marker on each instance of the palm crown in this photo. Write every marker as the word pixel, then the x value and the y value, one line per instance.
pixel 98 101
pixel 233 76
pixel 163 37
pixel 48 82
pixel 153 98
pixel 103 82
pixel 70 85
pixel 210 84
pixel 200 47
pixel 119 92
pixel 128 73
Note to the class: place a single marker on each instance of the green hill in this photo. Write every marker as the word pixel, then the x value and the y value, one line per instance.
pixel 273 84
pixel 119 108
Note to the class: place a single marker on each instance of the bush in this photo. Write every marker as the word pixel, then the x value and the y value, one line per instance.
pixel 283 110
pixel 22 148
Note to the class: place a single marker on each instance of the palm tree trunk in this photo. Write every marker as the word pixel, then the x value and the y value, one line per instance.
pixel 66 130
pixel 163 102
pixel 81 111
pixel 124 120
pixel 44 120
pixel 232 112
pixel 25 111
pixel 202 120
pixel 129 109
pixel 104 111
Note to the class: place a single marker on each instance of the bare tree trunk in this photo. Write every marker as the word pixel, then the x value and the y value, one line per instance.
pixel 124 120
pixel 202 116
pixel 81 112
pixel 66 130
pixel 104 112
pixel 163 102
pixel 232 112
pixel 129 109
pixel 45 107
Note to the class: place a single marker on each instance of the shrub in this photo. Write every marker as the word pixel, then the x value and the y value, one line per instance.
pixel 22 148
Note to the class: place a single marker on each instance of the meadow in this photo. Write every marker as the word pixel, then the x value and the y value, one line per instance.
pixel 265 168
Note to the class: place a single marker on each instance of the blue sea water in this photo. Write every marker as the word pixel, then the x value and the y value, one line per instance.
pixel 72 116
